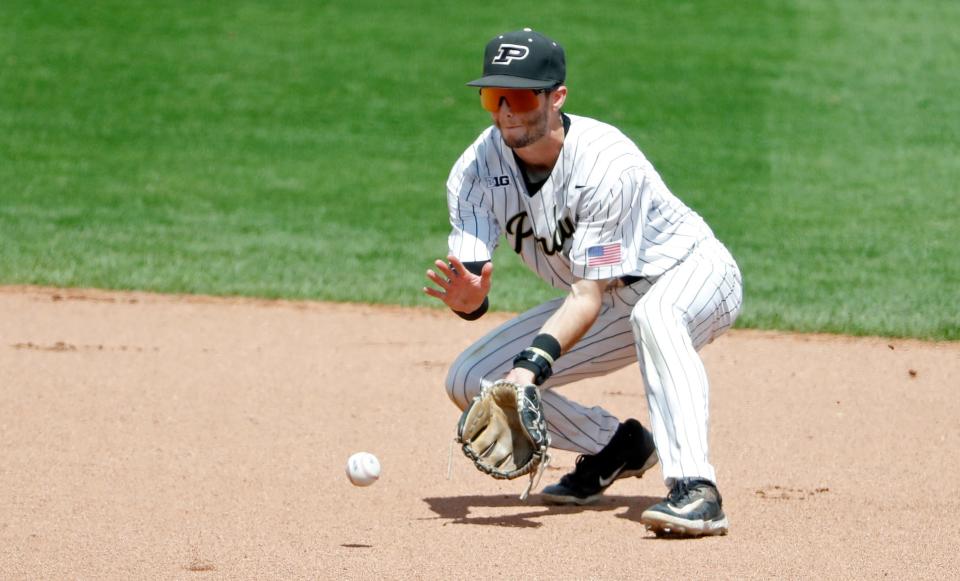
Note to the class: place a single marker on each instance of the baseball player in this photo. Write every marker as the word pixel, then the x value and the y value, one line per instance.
pixel 646 279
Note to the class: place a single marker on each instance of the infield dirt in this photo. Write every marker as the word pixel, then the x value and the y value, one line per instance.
pixel 165 437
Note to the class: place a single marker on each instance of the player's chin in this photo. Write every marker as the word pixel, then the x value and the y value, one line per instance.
pixel 516 137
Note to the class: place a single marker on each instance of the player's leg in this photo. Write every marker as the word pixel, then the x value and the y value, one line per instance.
pixel 606 347
pixel 609 449
pixel 685 309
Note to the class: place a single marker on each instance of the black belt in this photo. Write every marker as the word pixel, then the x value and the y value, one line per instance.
pixel 630 279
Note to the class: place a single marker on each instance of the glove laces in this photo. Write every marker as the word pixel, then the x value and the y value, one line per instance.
pixel 450 457
pixel 535 476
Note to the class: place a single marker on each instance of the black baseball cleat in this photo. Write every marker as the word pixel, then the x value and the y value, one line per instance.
pixel 630 452
pixel 693 508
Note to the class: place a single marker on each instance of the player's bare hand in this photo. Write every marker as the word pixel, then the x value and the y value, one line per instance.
pixel 520 376
pixel 460 289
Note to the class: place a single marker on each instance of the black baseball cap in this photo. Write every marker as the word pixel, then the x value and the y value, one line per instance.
pixel 522 59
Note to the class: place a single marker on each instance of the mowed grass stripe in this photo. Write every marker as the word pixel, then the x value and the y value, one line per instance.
pixel 300 150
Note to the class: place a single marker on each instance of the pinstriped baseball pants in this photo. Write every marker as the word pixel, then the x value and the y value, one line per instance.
pixel 661 325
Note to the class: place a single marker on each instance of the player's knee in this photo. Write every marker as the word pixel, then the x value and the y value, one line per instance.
pixel 459 384
pixel 650 320
pixel 641 317
pixel 451 386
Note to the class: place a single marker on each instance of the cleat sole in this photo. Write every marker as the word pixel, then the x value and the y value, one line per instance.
pixel 666 526
pixel 560 500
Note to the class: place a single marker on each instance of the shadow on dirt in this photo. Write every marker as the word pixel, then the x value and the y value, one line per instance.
pixel 509 511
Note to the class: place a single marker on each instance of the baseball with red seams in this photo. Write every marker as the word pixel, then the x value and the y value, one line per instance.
pixel 363 469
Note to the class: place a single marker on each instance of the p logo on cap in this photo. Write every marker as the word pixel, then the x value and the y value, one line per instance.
pixel 508 53
pixel 522 59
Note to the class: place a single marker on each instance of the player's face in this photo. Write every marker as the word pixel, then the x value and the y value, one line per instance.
pixel 521 115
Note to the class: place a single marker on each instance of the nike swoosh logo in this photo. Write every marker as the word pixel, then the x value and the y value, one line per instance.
pixel 687 509
pixel 605 482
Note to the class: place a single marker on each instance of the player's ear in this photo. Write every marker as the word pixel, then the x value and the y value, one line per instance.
pixel 557 97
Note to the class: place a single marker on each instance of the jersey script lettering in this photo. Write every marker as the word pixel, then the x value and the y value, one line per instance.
pixel 516 227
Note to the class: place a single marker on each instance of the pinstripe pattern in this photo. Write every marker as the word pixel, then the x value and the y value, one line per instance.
pixel 688 307
pixel 572 426
pixel 660 325
pixel 602 190
pixel 602 185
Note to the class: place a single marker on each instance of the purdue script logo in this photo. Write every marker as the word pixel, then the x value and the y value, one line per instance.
pixel 508 53
pixel 517 226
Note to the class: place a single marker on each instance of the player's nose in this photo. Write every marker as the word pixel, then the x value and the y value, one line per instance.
pixel 504 107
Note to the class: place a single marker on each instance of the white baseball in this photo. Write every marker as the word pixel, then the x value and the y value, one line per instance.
pixel 363 469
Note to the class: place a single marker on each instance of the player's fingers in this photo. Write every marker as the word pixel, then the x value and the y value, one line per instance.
pixel 445 269
pixel 487 272
pixel 434 293
pixel 459 268
pixel 441 281
pixel 486 276
pixel 455 262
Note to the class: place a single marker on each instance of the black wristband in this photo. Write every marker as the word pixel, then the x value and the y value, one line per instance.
pixel 536 361
pixel 481 310
pixel 549 344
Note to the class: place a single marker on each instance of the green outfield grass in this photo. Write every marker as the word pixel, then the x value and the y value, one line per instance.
pixel 300 149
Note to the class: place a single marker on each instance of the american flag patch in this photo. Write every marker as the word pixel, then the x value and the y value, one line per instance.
pixel 603 254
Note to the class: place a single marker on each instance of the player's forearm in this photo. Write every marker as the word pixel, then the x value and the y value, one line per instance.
pixel 560 333
pixel 577 313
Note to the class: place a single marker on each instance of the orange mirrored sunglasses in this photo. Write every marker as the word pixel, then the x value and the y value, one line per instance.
pixel 519 100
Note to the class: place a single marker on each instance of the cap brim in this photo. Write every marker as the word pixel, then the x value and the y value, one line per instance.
pixel 511 82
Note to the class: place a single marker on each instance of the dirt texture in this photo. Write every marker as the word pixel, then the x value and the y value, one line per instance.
pixel 157 437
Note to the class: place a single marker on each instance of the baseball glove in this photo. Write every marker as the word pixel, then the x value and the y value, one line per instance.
pixel 504 433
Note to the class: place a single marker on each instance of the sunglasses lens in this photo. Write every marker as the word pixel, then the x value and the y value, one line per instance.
pixel 519 100
pixel 490 99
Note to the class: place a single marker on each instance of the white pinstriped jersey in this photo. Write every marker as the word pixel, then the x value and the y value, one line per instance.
pixel 604 211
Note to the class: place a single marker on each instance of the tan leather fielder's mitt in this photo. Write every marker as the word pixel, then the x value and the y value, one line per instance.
pixel 504 433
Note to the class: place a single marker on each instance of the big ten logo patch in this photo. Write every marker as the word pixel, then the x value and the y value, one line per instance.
pixel 498 181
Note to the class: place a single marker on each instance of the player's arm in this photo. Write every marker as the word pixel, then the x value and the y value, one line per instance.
pixel 577 313
pixel 463 286
pixel 561 331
